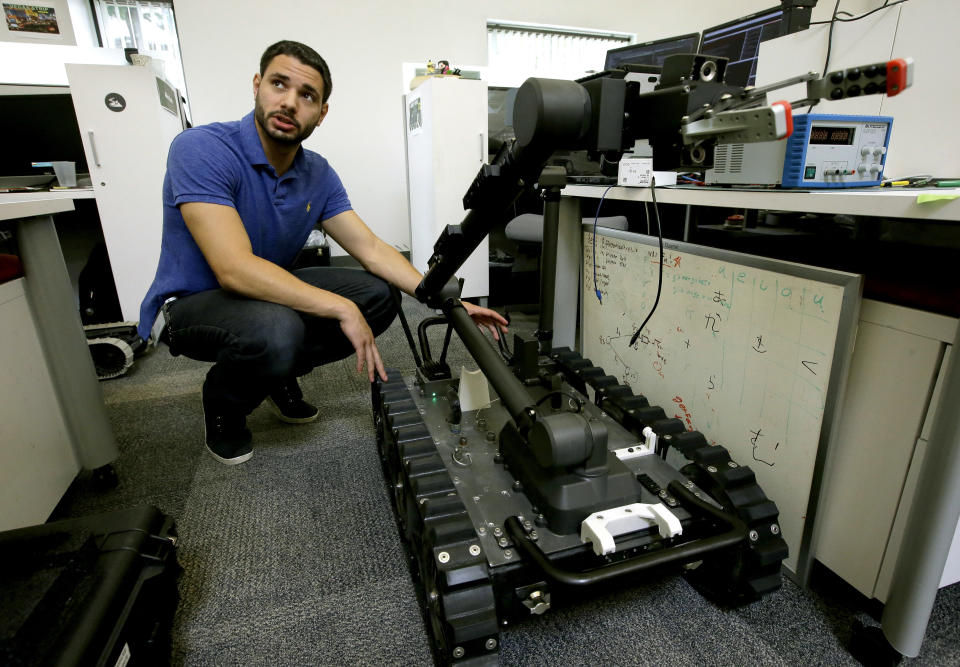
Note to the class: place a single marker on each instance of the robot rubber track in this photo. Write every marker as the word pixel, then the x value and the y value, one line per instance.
pixel 474 577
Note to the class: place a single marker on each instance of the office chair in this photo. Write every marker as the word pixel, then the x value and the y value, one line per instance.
pixel 526 231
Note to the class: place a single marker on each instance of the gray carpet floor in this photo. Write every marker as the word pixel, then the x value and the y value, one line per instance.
pixel 293 558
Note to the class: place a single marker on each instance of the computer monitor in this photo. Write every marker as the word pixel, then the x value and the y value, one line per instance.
pixel 39 128
pixel 739 40
pixel 652 53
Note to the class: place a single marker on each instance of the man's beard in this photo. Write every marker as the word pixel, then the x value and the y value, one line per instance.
pixel 277 135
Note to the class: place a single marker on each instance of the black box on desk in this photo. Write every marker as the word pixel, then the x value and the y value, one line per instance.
pixel 99 590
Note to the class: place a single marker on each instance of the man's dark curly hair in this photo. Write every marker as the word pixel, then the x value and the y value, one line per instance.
pixel 304 54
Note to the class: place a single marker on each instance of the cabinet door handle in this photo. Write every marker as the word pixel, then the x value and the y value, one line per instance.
pixel 93 148
pixel 483 149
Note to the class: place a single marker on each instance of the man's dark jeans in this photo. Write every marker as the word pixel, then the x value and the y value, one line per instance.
pixel 258 345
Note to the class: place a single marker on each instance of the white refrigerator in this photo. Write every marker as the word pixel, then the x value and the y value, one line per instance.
pixel 127 117
pixel 446 130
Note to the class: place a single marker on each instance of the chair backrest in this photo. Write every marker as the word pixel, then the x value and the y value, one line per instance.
pixel 529 226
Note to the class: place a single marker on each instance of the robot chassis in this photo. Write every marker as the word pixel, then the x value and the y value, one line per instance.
pixel 571 481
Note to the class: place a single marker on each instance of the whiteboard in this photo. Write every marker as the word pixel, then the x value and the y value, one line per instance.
pixel 751 352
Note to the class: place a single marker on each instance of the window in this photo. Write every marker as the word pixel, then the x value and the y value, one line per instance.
pixel 517 51
pixel 148 26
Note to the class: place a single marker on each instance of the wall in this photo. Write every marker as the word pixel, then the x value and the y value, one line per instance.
pixel 84 28
pixel 64 24
pixel 46 63
pixel 27 59
pixel 366 41
pixel 76 24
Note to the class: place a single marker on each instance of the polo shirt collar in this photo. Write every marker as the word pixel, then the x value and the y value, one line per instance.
pixel 253 149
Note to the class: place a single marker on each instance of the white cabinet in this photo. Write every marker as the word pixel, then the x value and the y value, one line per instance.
pixel 887 410
pixel 37 459
pixel 446 130
pixel 127 118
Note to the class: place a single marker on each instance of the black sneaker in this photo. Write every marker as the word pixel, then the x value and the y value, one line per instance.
pixel 227 436
pixel 287 403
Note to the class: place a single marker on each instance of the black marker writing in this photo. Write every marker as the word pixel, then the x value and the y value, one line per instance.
pixel 753 441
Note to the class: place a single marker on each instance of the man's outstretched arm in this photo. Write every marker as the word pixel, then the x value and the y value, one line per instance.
pixel 383 260
pixel 223 240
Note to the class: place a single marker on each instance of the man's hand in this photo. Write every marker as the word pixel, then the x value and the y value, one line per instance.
pixel 358 332
pixel 382 260
pixel 484 317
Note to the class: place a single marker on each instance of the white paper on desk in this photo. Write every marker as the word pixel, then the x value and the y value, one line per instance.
pixel 474 392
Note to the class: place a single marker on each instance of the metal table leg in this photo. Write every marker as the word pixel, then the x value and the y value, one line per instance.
pixel 569 260
pixel 931 525
pixel 54 308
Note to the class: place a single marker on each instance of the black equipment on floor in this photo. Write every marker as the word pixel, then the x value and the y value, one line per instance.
pixel 113 347
pixel 99 590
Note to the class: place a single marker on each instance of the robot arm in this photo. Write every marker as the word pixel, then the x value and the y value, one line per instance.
pixel 549 115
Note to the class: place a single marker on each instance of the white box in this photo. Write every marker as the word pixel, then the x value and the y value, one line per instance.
pixel 665 178
pixel 635 171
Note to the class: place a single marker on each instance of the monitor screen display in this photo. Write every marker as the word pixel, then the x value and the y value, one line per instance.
pixel 652 53
pixel 739 40
pixel 39 128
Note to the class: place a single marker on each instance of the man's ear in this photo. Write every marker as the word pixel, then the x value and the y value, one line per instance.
pixel 256 83
pixel 323 113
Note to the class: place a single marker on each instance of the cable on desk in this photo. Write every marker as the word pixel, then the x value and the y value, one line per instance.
pixel 656 215
pixel 596 290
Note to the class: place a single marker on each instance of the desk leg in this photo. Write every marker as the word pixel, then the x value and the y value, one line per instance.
pixel 569 259
pixel 54 308
pixel 931 525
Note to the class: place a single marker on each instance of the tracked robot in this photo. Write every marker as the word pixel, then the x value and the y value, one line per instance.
pixel 570 482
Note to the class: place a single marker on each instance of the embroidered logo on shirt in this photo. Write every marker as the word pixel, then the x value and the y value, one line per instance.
pixel 308 207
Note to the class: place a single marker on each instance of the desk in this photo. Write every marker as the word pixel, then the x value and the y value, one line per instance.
pixel 86 439
pixel 932 518
pixel 887 202
pixel 51 195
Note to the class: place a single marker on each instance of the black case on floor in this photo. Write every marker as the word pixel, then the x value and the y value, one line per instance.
pixel 99 590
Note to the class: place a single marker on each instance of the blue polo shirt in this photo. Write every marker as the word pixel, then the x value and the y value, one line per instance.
pixel 224 163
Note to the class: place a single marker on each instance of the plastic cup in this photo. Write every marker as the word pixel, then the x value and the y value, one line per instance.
pixel 66 174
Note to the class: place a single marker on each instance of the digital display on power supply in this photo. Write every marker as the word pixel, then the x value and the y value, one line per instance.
pixel 831 136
